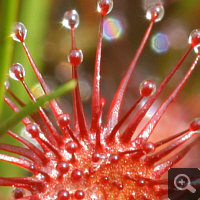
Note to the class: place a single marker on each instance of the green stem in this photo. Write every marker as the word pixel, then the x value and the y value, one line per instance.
pixel 8 17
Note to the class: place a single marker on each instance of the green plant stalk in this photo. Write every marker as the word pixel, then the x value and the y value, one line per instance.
pixel 8 17
pixel 32 107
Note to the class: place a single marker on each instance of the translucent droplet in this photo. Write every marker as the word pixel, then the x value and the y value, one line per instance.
pixel 104 6
pixel 71 19
pixel 17 72
pixel 19 33
pixel 155 13
pixel 194 40
pixel 147 88
pixel 75 57
pixel 148 3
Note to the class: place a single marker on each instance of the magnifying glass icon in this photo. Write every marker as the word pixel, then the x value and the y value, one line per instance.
pixel 182 182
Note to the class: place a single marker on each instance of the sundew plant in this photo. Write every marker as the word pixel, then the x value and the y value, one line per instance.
pixel 91 146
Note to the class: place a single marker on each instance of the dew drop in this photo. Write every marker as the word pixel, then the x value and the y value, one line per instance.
pixel 17 72
pixel 18 193
pixel 79 194
pixel 63 195
pixel 195 125
pixel 75 57
pixel 104 6
pixel 194 40
pixel 155 13
pixel 20 32
pixel 147 88
pixel 71 19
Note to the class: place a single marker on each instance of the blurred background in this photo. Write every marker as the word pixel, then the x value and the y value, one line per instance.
pixel 49 44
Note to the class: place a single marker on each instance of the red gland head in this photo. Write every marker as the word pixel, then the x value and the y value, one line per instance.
pixel 62 167
pixel 75 57
pixel 63 120
pixel 79 194
pixel 33 129
pixel 19 33
pixel 96 157
pixel 147 88
pixel 71 147
pixel 63 195
pixel 195 125
pixel 18 193
pixel 155 13
pixel 17 72
pixel 76 175
pixel 149 147
pixel 104 6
